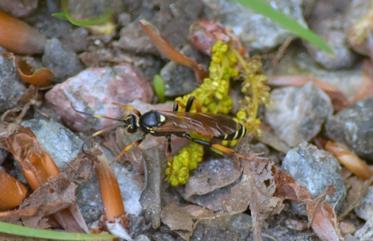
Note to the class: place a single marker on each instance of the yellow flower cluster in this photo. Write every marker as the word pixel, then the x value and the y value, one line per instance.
pixel 213 96
pixel 188 158
pixel 256 93
pixel 213 93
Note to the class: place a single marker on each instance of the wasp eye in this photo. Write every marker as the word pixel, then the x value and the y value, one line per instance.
pixel 130 129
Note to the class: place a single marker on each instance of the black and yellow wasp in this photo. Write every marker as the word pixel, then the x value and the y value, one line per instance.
pixel 201 128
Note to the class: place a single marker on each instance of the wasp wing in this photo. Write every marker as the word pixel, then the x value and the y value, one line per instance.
pixel 207 125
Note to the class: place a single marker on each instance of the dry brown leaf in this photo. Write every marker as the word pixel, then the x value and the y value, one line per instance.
pixel 40 77
pixel 356 190
pixel 204 34
pixel 170 52
pixel 51 197
pixel 349 160
pixel 19 37
pixel 321 214
pixel 324 221
pixel 366 89
pixel 109 188
pixel 38 167
pixel 12 191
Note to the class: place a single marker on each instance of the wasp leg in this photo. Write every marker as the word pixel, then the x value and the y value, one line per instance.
pixel 192 100
pixel 175 108
pixel 189 103
pixel 218 147
pixel 129 147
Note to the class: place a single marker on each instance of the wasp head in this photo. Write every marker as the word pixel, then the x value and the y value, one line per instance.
pixel 132 122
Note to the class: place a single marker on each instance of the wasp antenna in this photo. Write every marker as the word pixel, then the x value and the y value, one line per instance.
pixel 128 108
pixel 98 116
pixel 97 133
pixel 79 111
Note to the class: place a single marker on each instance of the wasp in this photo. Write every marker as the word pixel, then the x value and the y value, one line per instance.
pixel 198 127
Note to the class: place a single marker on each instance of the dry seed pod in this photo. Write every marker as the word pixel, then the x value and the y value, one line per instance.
pixel 349 159
pixel 12 192
pixel 19 37
pixel 41 77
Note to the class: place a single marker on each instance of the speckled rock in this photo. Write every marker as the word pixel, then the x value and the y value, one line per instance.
pixel 365 233
pixel 89 200
pixel 11 88
pixel 233 228
pixel 62 61
pixel 296 62
pixel 332 29
pixel 18 8
pixel 316 170
pixel 256 31
pixel 130 188
pixel 359 26
pixel 297 113
pixel 61 143
pixel 94 90
pixel 354 127
pixel 365 209
pixel 178 79
pixel 171 18
pixel 212 174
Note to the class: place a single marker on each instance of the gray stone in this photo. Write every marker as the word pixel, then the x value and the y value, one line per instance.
pixel 353 126
pixel 62 144
pixel 142 237
pixel 365 233
pixel 89 200
pixel 62 61
pixel 178 79
pixel 256 31
pixel 212 174
pixel 332 29
pixel 130 187
pixel 358 25
pixel 18 8
pixel 297 113
pixel 234 228
pixel 365 209
pixel 172 18
pixel 296 62
pixel 316 170
pixel 11 89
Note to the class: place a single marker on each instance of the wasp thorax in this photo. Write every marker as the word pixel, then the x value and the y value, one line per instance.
pixel 152 119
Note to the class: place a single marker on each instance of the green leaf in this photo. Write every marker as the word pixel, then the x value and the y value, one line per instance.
pixel 18 230
pixel 159 89
pixel 59 15
pixel 286 22
pixel 65 15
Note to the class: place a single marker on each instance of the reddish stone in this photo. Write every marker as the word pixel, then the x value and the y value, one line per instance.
pixel 94 91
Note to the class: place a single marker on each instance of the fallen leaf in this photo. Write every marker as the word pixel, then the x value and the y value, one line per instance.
pixel 40 77
pixel 170 52
pixel 12 191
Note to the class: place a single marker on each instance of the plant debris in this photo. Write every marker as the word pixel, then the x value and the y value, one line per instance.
pixel 78 153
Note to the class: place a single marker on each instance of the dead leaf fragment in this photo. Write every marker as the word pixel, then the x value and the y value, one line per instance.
pixel 170 52
pixel 41 77
pixel 349 160
pixel 19 37
pixel 38 167
pixel 12 192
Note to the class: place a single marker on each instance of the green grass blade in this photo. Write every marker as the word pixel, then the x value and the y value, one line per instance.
pixel 159 88
pixel 286 22
pixel 23 231
pixel 99 20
